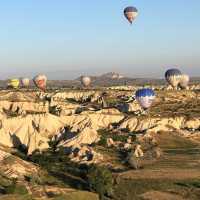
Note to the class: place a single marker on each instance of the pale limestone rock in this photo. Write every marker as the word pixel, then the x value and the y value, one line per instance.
pixel 192 124
pixel 14 167
pixel 86 136
pixel 76 95
pixel 138 151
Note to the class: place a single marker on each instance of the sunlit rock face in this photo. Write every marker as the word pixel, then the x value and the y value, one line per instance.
pixel 77 96
pixel 34 131
pixel 27 118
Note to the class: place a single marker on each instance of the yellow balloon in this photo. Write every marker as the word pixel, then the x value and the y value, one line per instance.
pixel 14 83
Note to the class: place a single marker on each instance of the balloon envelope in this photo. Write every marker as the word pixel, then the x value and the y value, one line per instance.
pixel 14 83
pixel 130 13
pixel 145 97
pixel 86 81
pixel 173 77
pixel 185 79
pixel 40 81
pixel 25 82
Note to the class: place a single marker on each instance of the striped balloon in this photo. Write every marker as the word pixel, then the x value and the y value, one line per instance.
pixel 130 13
pixel 25 82
pixel 40 81
pixel 173 77
pixel 145 97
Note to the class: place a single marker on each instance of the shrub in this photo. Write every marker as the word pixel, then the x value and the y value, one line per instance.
pixel 103 141
pixel 100 180
pixel 121 137
pixel 15 188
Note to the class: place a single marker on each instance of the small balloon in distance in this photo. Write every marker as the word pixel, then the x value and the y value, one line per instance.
pixel 184 81
pixel 130 13
pixel 25 82
pixel 86 81
pixel 40 81
pixel 14 83
pixel 173 77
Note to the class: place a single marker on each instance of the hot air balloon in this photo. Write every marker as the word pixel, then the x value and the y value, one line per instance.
pixel 14 83
pixel 130 13
pixel 86 81
pixel 25 82
pixel 40 81
pixel 145 97
pixel 173 77
pixel 184 81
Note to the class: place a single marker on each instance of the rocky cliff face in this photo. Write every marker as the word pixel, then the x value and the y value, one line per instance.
pixel 35 130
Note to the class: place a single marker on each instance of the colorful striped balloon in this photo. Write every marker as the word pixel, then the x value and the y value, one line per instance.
pixel 25 82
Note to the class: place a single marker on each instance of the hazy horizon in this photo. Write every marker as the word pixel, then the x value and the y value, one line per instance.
pixel 71 75
pixel 67 39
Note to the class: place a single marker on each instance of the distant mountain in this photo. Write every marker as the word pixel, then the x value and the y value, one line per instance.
pixel 112 75
pixel 113 78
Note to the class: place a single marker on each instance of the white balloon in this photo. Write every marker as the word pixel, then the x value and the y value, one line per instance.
pixel 146 102
pixel 40 81
pixel 185 79
pixel 86 81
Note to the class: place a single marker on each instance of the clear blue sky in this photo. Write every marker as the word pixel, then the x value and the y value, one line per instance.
pixel 72 37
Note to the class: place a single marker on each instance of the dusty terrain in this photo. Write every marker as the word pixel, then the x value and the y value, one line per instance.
pixel 48 140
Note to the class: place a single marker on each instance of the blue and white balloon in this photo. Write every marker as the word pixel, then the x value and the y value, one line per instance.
pixel 145 97
pixel 173 77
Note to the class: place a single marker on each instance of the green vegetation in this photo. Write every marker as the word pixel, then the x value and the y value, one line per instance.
pixel 57 164
pixel 58 170
pixel 105 134
pixel 100 180
pixel 15 188
pixel 43 178
pixel 11 186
